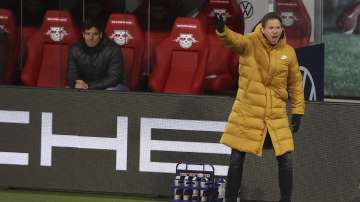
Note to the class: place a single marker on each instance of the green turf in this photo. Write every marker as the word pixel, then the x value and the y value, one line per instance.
pixel 342 64
pixel 32 196
pixel 42 196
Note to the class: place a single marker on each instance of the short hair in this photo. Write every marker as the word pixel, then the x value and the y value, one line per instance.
pixel 270 16
pixel 92 23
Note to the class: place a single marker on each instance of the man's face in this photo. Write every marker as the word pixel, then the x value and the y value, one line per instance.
pixel 92 37
pixel 273 31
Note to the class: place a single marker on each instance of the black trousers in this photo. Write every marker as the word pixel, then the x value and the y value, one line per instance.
pixel 235 174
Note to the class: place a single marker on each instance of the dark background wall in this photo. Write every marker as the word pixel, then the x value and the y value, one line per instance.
pixel 327 165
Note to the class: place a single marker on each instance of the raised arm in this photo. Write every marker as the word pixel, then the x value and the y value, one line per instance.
pixel 235 41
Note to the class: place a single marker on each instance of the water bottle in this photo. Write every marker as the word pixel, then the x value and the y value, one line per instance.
pixel 188 181
pixel 178 190
pixel 221 183
pixel 196 182
pixel 195 186
pixel 187 188
pixel 177 181
pixel 204 195
pixel 187 196
pixel 204 182
pixel 204 192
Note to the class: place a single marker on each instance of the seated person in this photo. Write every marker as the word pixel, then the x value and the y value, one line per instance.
pixel 95 62
pixel 3 52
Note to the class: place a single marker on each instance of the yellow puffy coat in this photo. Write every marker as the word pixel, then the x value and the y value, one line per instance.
pixel 267 75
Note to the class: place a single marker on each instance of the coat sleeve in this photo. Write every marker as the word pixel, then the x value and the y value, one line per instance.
pixel 235 41
pixel 115 72
pixel 295 86
pixel 72 73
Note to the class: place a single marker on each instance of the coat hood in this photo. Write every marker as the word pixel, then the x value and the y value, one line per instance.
pixel 265 42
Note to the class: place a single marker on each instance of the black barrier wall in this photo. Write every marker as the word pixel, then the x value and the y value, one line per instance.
pixel 129 143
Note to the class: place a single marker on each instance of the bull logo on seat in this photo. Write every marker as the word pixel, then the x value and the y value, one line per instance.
pixel 57 34
pixel 288 18
pixel 4 28
pixel 185 40
pixel 222 12
pixel 121 37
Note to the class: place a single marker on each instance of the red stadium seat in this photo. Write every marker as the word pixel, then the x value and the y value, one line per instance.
pixel 152 40
pixel 125 31
pixel 7 23
pixel 296 21
pixel 156 19
pixel 180 60
pixel 221 71
pixel 46 63
pixel 27 33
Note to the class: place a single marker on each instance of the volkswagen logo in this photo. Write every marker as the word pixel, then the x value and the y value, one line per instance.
pixel 308 80
pixel 247 8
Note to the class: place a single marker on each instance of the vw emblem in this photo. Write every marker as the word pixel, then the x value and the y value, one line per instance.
pixel 308 80
pixel 247 8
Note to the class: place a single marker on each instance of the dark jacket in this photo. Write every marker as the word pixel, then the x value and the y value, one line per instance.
pixel 100 67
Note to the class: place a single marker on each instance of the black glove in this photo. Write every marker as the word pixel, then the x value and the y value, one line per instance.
pixel 295 122
pixel 219 23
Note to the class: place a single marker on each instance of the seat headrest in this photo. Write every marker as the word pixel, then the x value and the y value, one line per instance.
pixel 59 27
pixel 7 22
pixel 287 11
pixel 225 7
pixel 188 33
pixel 229 9
pixel 124 30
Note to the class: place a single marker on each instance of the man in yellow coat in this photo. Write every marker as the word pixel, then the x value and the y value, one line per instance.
pixel 268 74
